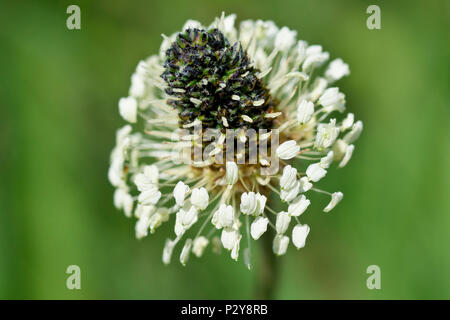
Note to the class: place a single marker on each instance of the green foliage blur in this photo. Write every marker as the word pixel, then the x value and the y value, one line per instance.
pixel 59 92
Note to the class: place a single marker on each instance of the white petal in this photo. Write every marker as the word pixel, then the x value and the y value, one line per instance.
pixel 347 123
pixel 150 196
pixel 283 220
pixel 199 246
pixel 231 173
pixel 143 182
pixel 167 252
pixel 285 39
pixel 336 197
pixel 200 198
pixel 326 161
pixel 314 60
pixel 224 217
pixel 347 156
pixel 289 178
pixel 336 70
pixel 137 88
pixel 128 109
pixel 354 134
pixel 128 205
pixel 289 195
pixel 249 203
pixel 305 111
pixel 305 184
pixel 299 234
pixel 319 86
pixel 142 226
pixel 326 134
pixel 179 193
pixel 287 150
pixel 184 256
pixel 298 206
pixel 332 100
pixel 152 173
pixel 315 172
pixel 229 237
pixel 258 227
pixel 119 195
pixel 261 199
pixel 280 244
pixel 235 249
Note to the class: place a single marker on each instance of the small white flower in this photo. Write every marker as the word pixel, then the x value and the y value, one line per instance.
pixel 143 210
pixel 235 249
pixel 339 149
pixel 335 198
pixel 223 217
pixel 282 223
pixel 298 206
pixel 305 184
pixel 192 24
pixel 229 238
pixel 148 179
pixel 128 109
pixel 314 58
pixel 167 252
pixel 152 173
pixel 305 111
pixel 179 193
pixel 123 200
pixel 185 220
pixel 249 203
pixel 289 195
pixel 326 134
pixel 347 156
pixel 162 215
pixel 123 133
pixel 137 89
pixel 199 246
pixel 326 161
pixel 280 244
pixel 354 134
pixel 142 226
pixel 288 150
pixel 150 196
pixel 261 199
pixel 319 86
pixel 228 25
pixel 184 256
pixel 332 100
pixel 252 204
pixel 200 198
pixel 301 51
pixel 315 172
pixel 232 173
pixel 299 234
pixel 289 178
pixel 285 39
pixel 347 123
pixel 336 70
pixel 258 227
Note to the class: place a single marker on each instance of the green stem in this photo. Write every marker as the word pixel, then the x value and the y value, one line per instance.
pixel 268 268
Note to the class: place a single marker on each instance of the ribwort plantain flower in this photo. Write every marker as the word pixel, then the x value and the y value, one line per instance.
pixel 167 166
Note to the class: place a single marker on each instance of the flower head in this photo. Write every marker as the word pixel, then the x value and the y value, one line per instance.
pixel 222 119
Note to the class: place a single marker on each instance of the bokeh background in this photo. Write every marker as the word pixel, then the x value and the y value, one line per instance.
pixel 59 92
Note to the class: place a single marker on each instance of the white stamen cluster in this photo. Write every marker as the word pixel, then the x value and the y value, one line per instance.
pixel 155 184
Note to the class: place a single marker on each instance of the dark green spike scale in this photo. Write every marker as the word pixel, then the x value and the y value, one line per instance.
pixel 208 68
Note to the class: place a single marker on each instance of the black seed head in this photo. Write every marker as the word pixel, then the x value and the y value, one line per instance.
pixel 204 71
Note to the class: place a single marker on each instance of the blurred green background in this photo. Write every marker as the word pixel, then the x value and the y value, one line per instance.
pixel 59 93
